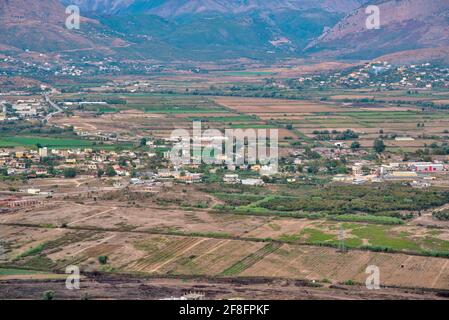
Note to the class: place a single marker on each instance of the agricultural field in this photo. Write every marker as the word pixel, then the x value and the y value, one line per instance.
pixel 55 143
pixel 369 115
pixel 181 255
pixel 318 234
pixel 163 237
pixel 322 263
pixel 157 115
pixel 412 239
pixel 142 114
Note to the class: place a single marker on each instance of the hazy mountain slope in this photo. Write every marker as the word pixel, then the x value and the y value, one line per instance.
pixel 100 6
pixel 220 29
pixel 251 35
pixel 40 26
pixel 217 28
pixel 173 8
pixel 405 25
pixel 438 55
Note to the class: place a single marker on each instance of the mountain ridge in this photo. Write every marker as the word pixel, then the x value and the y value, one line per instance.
pixel 173 8
pixel 405 25
pixel 220 29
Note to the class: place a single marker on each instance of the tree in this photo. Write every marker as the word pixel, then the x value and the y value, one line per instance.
pixel 69 173
pixel 110 172
pixel 103 259
pixel 48 295
pixel 143 142
pixel 355 145
pixel 100 173
pixel 379 145
pixel 51 171
pixel 366 170
pixel 122 162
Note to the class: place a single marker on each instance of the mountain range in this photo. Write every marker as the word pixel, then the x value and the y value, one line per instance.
pixel 227 29
pixel 173 8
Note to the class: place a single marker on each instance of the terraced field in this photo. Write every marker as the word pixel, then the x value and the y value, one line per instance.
pixel 328 264
pixel 250 260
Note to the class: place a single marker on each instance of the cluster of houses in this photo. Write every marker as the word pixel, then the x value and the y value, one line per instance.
pixel 22 109
pixel 234 179
pixel 36 163
pixel 417 173
pixel 381 73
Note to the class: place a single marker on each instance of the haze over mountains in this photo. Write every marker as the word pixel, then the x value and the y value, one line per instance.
pixel 222 29
pixel 40 26
pixel 173 8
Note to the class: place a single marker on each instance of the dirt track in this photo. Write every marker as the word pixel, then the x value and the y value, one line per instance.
pixel 121 287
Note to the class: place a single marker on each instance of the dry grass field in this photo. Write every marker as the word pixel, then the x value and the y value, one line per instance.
pixel 181 255
pixel 268 106
pixel 177 242
pixel 322 263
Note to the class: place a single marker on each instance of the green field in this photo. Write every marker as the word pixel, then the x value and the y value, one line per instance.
pixel 19 141
pixel 251 126
pixel 247 73
pixel 14 272
pixel 55 143
pixel 360 235
pixel 149 102
pixel 239 118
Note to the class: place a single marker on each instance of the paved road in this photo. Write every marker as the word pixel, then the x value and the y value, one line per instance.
pixel 54 105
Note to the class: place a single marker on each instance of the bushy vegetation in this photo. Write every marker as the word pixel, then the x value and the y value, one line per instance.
pixel 441 215
pixel 33 128
pixel 368 219
pixel 32 251
pixel 48 295
pixel 354 199
pixel 103 260
pixel 69 173
pixel 237 200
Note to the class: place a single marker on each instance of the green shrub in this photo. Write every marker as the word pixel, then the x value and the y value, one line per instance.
pixel 48 295
pixel 441 215
pixel 378 249
pixel 70 173
pixel 32 251
pixel 103 260
pixel 437 254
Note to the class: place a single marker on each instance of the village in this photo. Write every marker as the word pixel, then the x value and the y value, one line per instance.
pixel 136 169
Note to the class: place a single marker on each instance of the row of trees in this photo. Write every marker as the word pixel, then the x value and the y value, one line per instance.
pixel 70 173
